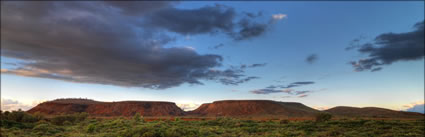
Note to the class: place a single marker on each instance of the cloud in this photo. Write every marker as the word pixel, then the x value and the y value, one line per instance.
pixel 208 19
pixel 302 96
pixel 321 108
pixel 286 89
pixel 303 83
pixel 269 91
pixel 113 44
pixel 388 48
pixel 302 92
pixel 296 84
pixel 243 66
pixel 415 107
pixel 194 21
pixel 249 29
pixel 188 106
pixel 13 105
pixel 276 17
pixel 311 58
pixel 218 46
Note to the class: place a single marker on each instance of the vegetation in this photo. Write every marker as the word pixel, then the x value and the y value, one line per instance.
pixel 321 117
pixel 19 123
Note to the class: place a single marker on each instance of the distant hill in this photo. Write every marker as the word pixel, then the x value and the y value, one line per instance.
pixel 373 112
pixel 254 108
pixel 96 108
pixel 233 108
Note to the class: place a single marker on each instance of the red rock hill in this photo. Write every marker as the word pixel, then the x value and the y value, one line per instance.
pixel 254 108
pixel 374 112
pixel 96 108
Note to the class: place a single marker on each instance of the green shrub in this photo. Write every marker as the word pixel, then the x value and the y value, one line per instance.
pixel 136 117
pixel 176 119
pixel 45 129
pixel 82 116
pixel 323 117
pixel 91 128
pixel 39 116
pixel 67 123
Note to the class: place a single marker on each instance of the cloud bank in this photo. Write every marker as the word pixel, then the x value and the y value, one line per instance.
pixel 389 48
pixel 118 43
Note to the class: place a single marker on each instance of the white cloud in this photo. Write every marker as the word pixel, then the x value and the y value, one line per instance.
pixel 10 105
pixel 415 107
pixel 188 106
pixel 279 16
pixel 321 108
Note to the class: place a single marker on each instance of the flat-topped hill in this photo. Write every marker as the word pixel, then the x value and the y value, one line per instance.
pixel 374 112
pixel 96 108
pixel 254 108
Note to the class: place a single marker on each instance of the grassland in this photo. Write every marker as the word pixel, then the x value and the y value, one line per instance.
pixel 22 124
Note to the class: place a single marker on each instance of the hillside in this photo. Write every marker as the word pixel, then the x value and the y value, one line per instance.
pixel 254 108
pixel 374 112
pixel 96 108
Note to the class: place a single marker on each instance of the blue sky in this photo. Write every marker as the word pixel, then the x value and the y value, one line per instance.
pixel 321 28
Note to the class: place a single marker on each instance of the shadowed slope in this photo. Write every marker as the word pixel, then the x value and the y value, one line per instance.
pixel 374 112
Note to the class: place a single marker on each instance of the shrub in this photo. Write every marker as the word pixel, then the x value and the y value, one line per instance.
pixel 323 117
pixel 177 119
pixel 91 128
pixel 67 123
pixel 284 121
pixel 82 116
pixel 136 117
pixel 39 116
pixel 44 128
pixel 28 118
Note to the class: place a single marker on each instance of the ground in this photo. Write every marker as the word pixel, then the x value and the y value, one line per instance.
pixel 80 126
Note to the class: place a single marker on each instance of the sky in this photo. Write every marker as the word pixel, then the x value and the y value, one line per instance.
pixel 322 54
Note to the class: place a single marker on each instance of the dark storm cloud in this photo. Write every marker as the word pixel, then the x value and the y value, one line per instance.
pixel 311 58
pixel 391 47
pixel 138 7
pixel 208 19
pixel 249 29
pixel 194 21
pixel 88 43
pixel 252 15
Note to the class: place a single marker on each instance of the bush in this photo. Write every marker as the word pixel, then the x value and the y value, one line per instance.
pixel 44 128
pixel 136 117
pixel 72 118
pixel 284 121
pixel 323 117
pixel 91 128
pixel 176 119
pixel 82 116
pixel 39 116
